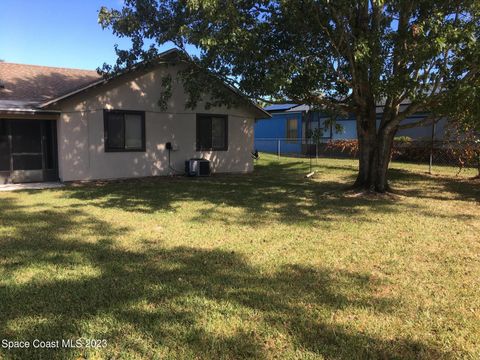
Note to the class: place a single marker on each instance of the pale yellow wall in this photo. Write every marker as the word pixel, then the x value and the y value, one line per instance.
pixel 80 132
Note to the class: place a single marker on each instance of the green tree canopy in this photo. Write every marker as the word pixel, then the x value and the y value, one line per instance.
pixel 344 56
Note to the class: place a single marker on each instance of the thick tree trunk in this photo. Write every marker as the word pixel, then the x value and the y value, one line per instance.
pixel 375 148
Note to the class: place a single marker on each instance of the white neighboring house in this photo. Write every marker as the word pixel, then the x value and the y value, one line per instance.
pixel 69 124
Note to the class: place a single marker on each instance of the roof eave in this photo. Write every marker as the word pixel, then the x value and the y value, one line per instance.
pixel 15 111
pixel 72 93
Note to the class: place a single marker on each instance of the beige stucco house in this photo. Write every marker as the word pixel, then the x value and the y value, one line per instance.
pixel 68 124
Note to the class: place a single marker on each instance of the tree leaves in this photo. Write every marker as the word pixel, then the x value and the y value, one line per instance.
pixel 299 50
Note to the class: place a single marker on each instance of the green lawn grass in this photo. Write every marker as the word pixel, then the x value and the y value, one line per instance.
pixel 267 265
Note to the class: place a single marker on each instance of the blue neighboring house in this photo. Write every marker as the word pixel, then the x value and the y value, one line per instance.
pixel 284 126
pixel 291 123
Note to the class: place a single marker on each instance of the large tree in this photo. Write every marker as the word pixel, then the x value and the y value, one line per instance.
pixel 345 56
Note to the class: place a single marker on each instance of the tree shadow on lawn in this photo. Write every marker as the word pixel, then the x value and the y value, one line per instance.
pixel 274 192
pixel 439 187
pixel 277 192
pixel 162 298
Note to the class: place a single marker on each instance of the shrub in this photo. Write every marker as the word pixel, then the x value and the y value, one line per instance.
pixel 459 154
pixel 349 147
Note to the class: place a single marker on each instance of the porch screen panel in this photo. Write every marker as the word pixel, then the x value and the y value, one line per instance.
pixel 4 147
pixel 27 162
pixel 26 136
pixel 27 144
pixel 50 144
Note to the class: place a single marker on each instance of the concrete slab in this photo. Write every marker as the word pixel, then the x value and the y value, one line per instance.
pixel 31 186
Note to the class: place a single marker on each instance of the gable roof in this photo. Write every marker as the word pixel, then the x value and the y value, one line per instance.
pixel 32 86
pixel 102 81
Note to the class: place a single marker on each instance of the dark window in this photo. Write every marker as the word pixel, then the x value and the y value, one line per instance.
pixel 212 132
pixel 292 129
pixel 124 130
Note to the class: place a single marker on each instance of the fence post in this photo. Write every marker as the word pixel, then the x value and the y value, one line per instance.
pixel 278 147
pixel 430 165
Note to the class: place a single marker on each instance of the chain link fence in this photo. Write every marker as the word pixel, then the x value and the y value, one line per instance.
pixel 459 155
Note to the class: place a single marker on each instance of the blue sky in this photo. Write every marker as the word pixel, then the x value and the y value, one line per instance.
pixel 61 33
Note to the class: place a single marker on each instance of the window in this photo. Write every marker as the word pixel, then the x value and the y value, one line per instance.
pixel 212 132
pixel 292 129
pixel 124 130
